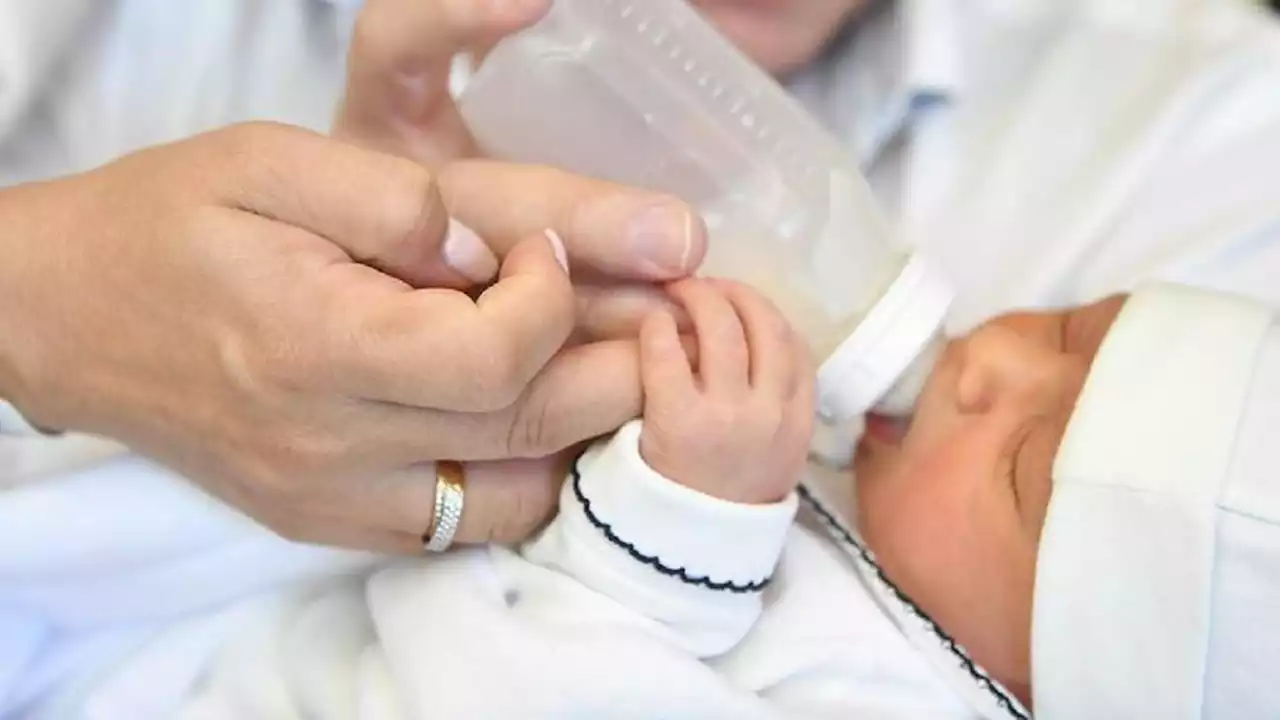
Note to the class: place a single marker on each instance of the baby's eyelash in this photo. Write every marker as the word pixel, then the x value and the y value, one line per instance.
pixel 1020 440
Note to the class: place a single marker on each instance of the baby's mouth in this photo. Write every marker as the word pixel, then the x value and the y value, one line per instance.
pixel 885 429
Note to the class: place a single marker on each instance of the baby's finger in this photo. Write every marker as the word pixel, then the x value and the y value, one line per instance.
pixel 770 340
pixel 723 361
pixel 618 310
pixel 665 371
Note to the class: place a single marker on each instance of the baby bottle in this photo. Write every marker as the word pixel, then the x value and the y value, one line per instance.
pixel 645 92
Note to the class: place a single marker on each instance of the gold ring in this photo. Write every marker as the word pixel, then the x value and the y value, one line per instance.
pixel 451 482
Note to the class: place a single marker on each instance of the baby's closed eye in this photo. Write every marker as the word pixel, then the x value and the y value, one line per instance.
pixel 1031 474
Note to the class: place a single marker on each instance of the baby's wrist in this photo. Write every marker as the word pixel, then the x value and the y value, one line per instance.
pixel 720 486
pixel 726 489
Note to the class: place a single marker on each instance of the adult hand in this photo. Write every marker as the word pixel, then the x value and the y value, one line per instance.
pixel 397 96
pixel 398 101
pixel 215 304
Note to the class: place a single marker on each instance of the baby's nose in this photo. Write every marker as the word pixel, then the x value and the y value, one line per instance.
pixel 1000 365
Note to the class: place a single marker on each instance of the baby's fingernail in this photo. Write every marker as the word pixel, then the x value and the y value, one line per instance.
pixel 662 238
pixel 467 254
pixel 557 247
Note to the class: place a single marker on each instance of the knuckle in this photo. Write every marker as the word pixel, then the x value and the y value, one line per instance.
pixel 317 451
pixel 267 358
pixel 410 212
pixel 531 433
pixel 267 362
pixel 272 356
pixel 285 470
pixel 281 482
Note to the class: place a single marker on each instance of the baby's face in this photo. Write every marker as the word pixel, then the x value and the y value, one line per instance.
pixel 952 504
pixel 780 35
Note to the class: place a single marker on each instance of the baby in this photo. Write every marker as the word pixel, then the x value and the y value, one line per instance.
pixel 1074 520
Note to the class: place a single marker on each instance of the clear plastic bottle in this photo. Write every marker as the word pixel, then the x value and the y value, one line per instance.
pixel 645 92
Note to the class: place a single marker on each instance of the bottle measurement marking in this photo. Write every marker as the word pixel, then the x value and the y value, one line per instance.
pixel 663 37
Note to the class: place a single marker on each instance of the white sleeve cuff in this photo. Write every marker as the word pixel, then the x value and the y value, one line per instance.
pixel 635 513
pixel 693 564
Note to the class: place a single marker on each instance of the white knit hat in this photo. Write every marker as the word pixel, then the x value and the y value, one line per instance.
pixel 1121 614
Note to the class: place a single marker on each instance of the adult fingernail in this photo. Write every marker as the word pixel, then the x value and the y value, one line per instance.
pixel 557 247
pixel 662 239
pixel 468 255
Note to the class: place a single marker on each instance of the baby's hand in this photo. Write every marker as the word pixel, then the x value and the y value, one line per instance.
pixel 739 428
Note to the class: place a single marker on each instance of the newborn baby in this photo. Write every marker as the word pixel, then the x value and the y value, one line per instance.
pixel 1041 534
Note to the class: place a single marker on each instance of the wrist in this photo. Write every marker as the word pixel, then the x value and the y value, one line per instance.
pixel 21 275
pixel 720 487
pixel 722 483
pixel 12 254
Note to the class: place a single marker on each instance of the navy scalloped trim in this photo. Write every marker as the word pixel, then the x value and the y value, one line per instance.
pixel 979 676
pixel 655 562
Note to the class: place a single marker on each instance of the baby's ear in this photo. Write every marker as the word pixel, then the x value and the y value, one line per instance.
pixel 1087 326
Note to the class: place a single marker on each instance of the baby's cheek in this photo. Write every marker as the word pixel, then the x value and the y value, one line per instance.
pixel 908 520
pixel 951 541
